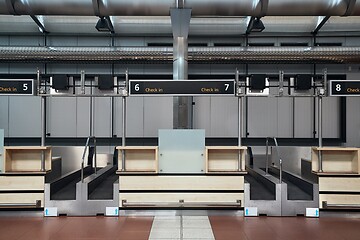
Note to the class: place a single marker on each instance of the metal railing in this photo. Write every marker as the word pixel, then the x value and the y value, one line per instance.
pixel 87 145
pixel 267 157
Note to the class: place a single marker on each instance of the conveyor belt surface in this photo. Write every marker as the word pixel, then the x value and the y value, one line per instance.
pixel 294 192
pixel 68 192
pixel 105 189
pixel 257 190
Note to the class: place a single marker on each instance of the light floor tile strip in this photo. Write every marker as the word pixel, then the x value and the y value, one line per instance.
pixel 181 228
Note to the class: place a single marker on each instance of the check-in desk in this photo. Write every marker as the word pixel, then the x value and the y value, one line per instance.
pixel 339 182
pixel 22 180
pixel 143 184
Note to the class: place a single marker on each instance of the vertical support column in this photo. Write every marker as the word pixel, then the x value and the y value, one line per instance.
pixel 43 122
pixel 321 93
pixel 180 20
pixel 240 115
pixel 123 138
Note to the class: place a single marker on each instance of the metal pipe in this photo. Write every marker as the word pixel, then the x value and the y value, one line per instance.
pixel 83 159
pixel 43 123
pixel 95 159
pixel 320 131
pixel 239 118
pixel 267 157
pixel 82 82
pixel 123 138
pixel 280 160
pixel 281 83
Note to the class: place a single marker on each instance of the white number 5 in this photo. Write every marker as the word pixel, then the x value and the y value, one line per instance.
pixel 25 87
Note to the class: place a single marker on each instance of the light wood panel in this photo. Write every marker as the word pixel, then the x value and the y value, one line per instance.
pixel 224 158
pixel 139 158
pixel 181 182
pixel 344 184
pixel 175 197
pixel 20 198
pixel 26 159
pixel 22 182
pixel 339 160
pixel 339 199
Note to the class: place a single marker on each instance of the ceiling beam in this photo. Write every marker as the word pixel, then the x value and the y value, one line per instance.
pixel 320 25
pixel 39 24
pixel 249 26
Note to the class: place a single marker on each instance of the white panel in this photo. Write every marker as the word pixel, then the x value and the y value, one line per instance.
pixel 224 117
pixel 158 114
pixel 4 114
pixel 285 118
pixel 158 68
pixel 61 41
pixel 17 68
pixel 134 117
pixel 62 68
pixel 94 68
pixel 24 118
pixel 62 117
pixel 27 41
pixel 304 117
pixel 102 118
pixel 202 114
pixel 262 116
pixel 4 40
pixel 83 117
pixel 94 41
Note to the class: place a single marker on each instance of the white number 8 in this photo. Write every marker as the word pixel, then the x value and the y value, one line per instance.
pixel 338 87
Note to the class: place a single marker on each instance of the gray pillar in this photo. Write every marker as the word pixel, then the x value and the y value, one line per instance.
pixel 180 20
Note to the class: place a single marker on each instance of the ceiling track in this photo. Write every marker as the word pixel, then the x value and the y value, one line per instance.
pixel 338 55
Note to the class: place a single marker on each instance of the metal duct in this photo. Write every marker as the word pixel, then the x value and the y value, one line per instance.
pixel 53 7
pixel 307 7
pixel 195 55
pixel 161 7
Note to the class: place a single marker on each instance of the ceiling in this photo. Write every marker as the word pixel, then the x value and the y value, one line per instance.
pixel 161 25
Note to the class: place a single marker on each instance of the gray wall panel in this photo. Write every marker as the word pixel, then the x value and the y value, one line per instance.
pixel 4 68
pixel 83 117
pixel 102 119
pixel 62 117
pixel 24 116
pixel 262 118
pixel 202 114
pixel 4 114
pixel 331 117
pixel 62 68
pixel 158 114
pixel 134 118
pixel 224 117
pixel 18 68
pixel 304 117
pixel 284 116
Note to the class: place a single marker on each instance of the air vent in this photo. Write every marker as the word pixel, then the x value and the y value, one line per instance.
pixel 261 44
pixel 164 44
pixel 227 44
pixel 329 44
pixel 294 44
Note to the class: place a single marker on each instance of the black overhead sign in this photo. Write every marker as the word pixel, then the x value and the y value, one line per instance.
pixel 16 87
pixel 345 88
pixel 182 87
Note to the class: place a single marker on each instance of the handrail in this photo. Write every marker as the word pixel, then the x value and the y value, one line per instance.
pixel 84 154
pixel 267 156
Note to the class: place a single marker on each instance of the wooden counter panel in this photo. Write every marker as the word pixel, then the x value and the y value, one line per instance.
pixel 181 182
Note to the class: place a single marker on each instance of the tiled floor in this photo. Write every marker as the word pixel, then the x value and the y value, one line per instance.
pixel 176 227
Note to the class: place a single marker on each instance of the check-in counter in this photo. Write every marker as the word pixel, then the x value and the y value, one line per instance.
pixel 22 180
pixel 143 185
pixel 339 180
